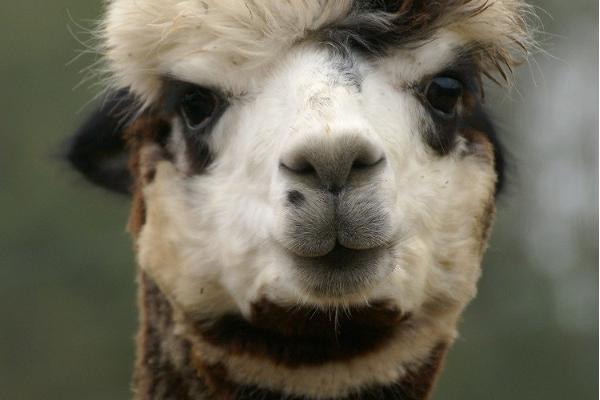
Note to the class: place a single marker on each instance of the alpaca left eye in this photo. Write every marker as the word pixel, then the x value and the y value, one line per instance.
pixel 198 107
pixel 443 94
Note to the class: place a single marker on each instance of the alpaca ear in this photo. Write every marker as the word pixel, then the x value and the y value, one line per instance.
pixel 98 149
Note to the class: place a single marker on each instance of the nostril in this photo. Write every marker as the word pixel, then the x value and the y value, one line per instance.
pixel 360 164
pixel 300 167
pixel 305 169
pixel 364 163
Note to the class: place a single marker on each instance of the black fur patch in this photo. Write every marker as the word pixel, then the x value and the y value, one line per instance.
pixel 344 63
pixel 295 198
pixel 440 135
pixel 98 149
pixel 441 132
pixel 296 336
pixel 373 26
pixel 198 152
pixel 197 141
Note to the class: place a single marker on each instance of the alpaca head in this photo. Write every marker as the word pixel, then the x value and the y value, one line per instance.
pixel 316 154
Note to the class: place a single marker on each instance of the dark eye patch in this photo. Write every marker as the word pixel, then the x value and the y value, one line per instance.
pixel 199 109
pixel 198 106
pixel 442 104
pixel 448 96
pixel 467 115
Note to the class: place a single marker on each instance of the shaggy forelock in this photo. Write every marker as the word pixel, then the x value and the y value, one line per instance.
pixel 142 38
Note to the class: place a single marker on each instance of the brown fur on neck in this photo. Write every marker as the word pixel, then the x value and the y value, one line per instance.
pixel 168 367
pixel 163 366
pixel 303 336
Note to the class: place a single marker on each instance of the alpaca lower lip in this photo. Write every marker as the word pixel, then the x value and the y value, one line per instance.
pixel 341 257
pixel 342 271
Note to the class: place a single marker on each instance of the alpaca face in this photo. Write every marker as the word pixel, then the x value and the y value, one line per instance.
pixel 310 153
pixel 330 179
pixel 327 154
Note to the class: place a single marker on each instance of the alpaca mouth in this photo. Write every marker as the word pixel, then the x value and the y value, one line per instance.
pixel 342 271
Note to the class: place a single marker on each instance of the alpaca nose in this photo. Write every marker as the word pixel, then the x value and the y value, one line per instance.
pixel 332 162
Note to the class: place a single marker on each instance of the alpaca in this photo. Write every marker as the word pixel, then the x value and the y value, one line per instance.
pixel 313 185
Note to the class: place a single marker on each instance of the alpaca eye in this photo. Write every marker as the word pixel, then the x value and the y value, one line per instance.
pixel 198 107
pixel 443 94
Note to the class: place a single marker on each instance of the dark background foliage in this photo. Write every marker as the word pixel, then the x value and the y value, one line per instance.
pixel 67 303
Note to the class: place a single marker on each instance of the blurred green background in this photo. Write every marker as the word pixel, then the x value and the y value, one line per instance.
pixel 67 294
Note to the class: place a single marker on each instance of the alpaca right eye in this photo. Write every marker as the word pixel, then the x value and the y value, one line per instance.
pixel 443 94
pixel 199 106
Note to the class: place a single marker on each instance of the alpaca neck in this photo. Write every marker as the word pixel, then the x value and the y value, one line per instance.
pixel 163 366
pixel 170 366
